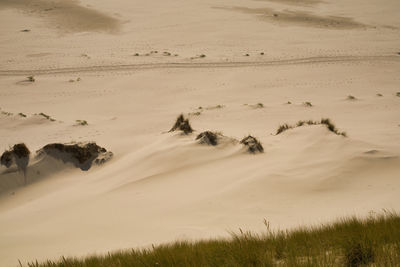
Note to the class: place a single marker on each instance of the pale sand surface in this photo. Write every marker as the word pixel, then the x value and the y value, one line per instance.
pixel 160 187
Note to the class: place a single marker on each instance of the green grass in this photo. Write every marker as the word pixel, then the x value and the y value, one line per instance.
pixel 374 241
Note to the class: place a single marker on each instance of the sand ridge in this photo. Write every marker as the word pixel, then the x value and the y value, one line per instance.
pixel 300 18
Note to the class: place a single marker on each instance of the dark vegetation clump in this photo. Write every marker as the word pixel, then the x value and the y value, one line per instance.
pixel 208 138
pixel 21 153
pixel 18 154
pixel 182 124
pixel 46 116
pixel 252 144
pixel 398 94
pixel 7 158
pixel 327 122
pixel 81 155
pixel 350 97
pixel 331 127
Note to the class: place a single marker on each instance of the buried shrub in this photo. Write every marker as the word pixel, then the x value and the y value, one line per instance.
pixel 182 124
pixel 252 144
pixel 82 155
pixel 18 154
pixel 327 122
pixel 7 158
pixel 21 153
pixel 208 138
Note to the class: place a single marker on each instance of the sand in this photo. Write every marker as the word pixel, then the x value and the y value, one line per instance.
pixel 160 186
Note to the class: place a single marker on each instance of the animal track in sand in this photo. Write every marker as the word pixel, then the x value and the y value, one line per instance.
pixel 220 64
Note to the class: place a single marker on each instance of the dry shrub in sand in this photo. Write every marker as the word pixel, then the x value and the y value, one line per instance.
pixel 327 122
pixel 252 144
pixel 208 138
pixel 7 158
pixel 182 124
pixel 19 154
pixel 82 155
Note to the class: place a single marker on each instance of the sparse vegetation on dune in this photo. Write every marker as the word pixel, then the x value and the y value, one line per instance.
pixel 350 97
pixel 307 104
pixel 327 122
pixel 18 154
pixel 46 116
pixel 81 122
pixel 81 155
pixel 208 137
pixel 252 144
pixel 182 124
pixel 352 242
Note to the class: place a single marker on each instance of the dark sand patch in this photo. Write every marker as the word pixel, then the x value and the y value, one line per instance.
pixel 300 18
pixel 66 16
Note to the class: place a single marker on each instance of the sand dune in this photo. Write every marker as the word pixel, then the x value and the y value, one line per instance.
pixel 301 18
pixel 226 70
pixel 65 16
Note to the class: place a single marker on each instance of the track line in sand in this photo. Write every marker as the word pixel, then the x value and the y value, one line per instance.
pixel 185 65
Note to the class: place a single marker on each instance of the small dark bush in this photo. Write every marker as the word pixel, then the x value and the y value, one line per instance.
pixel 350 97
pixel 81 155
pixel 208 138
pixel 182 124
pixel 253 145
pixel 21 150
pixel 307 104
pixel 6 159
pixel 21 153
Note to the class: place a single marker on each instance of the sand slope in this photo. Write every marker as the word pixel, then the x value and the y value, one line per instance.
pixel 164 186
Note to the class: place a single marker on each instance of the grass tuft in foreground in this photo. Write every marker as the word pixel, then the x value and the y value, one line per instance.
pixel 374 241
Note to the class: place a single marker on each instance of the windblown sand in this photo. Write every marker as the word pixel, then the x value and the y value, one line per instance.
pixel 129 68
